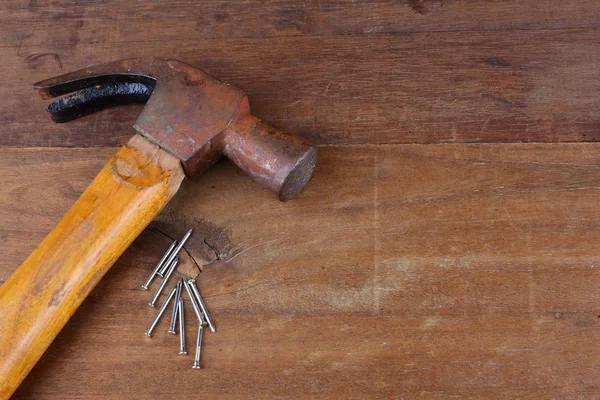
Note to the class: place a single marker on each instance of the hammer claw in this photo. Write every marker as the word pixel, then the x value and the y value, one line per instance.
pixel 92 99
pixel 137 70
pixel 69 83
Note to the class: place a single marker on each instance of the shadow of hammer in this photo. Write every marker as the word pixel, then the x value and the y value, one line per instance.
pixel 189 122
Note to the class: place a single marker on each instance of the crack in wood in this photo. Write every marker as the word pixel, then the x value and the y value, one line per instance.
pixel 161 232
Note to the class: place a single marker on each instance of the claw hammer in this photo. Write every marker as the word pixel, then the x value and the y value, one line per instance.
pixel 190 121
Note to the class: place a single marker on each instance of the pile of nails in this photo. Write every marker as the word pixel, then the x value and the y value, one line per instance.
pixel 165 268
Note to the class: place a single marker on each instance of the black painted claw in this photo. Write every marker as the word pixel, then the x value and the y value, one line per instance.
pixel 98 87
pixel 92 99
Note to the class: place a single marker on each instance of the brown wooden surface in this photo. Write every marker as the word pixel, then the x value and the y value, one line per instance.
pixel 403 270
pixel 349 72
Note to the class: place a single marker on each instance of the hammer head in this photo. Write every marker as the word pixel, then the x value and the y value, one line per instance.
pixel 189 114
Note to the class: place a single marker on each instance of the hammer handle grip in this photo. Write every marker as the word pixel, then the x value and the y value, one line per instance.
pixel 41 295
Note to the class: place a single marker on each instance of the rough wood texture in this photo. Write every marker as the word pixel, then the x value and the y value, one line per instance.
pixel 41 295
pixel 404 270
pixel 439 270
pixel 351 72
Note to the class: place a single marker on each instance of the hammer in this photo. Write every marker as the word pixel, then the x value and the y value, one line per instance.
pixel 190 121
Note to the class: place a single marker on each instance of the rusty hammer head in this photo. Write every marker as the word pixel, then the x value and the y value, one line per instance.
pixel 189 114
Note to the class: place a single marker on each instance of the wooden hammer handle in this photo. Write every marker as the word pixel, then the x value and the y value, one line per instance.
pixel 41 295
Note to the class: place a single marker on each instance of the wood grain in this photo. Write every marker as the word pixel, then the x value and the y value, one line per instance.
pixel 41 295
pixel 425 71
pixel 401 271
pixel 115 21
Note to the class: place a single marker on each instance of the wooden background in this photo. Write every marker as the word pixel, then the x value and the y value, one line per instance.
pixel 447 246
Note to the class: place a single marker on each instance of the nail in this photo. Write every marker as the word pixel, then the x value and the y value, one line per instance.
pixel 194 303
pixel 165 260
pixel 172 267
pixel 192 283
pixel 181 328
pixel 175 252
pixel 175 307
pixel 159 266
pixel 160 312
pixel 198 344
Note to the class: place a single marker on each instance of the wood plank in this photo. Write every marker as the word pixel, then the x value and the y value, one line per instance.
pixel 338 74
pixel 116 21
pixel 404 271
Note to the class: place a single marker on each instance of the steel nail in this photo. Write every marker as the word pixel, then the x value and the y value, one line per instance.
pixel 160 312
pixel 192 283
pixel 194 303
pixel 181 328
pixel 175 308
pixel 198 344
pixel 172 267
pixel 159 266
pixel 165 264
pixel 165 258
pixel 176 251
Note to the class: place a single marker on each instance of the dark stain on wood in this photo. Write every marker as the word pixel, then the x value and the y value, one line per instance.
pixel 35 61
pixel 504 99
pixel 497 62
pixel 221 16
pixel 295 17
pixel 21 43
pixel 424 6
